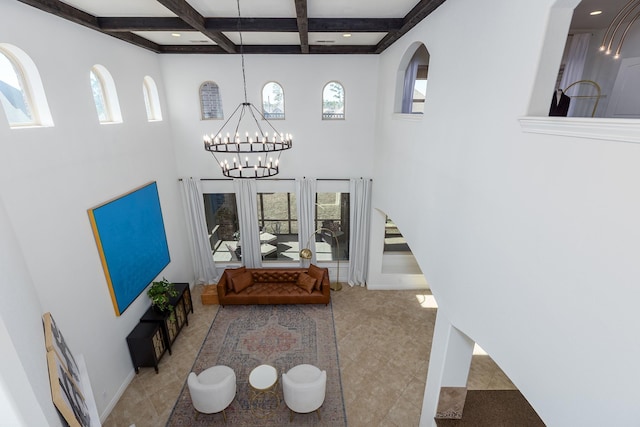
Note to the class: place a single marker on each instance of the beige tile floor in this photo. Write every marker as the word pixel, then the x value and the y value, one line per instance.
pixel 384 341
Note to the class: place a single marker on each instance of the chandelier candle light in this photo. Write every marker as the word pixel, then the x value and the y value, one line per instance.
pixel 243 157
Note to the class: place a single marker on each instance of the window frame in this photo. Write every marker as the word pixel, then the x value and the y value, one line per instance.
pixel 270 116
pixel 215 102
pixel 411 56
pixel 151 99
pixel 325 115
pixel 31 88
pixel 109 95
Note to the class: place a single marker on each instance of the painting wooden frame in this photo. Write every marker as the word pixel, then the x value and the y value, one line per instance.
pixel 132 243
pixel 54 341
pixel 66 396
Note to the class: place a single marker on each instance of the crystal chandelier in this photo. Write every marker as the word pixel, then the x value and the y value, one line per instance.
pixel 256 154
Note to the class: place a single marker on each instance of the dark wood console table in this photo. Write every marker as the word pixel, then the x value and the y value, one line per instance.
pixel 157 326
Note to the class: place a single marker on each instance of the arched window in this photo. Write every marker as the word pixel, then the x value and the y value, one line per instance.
pixel 104 95
pixel 273 101
pixel 413 72
pixel 333 101
pixel 210 101
pixel 21 91
pixel 151 99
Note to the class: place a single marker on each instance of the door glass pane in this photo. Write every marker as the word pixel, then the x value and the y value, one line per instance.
pixel 223 228
pixel 332 215
pixel 278 223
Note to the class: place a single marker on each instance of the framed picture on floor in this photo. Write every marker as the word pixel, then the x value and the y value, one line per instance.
pixel 54 341
pixel 65 394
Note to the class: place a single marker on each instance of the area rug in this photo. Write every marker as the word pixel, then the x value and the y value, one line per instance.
pixel 243 337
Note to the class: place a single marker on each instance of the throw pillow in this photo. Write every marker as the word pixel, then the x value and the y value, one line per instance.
pixel 318 274
pixel 242 281
pixel 230 273
pixel 306 282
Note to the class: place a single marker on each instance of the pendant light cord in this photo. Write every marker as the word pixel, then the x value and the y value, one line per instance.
pixel 244 77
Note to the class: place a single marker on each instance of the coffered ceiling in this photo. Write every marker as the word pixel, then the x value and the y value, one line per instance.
pixel 266 26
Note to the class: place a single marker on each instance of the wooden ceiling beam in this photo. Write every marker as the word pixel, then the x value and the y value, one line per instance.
pixel 124 24
pixel 252 24
pixel 192 49
pixel 303 25
pixel 417 14
pixel 355 25
pixel 191 16
pixel 287 25
pixel 137 40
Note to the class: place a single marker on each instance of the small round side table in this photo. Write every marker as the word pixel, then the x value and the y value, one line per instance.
pixel 263 395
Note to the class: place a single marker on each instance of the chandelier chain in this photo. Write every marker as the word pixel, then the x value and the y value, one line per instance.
pixel 244 77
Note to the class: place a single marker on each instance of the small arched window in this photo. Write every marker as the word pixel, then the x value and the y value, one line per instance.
pixel 151 99
pixel 210 101
pixel 273 101
pixel 21 91
pixel 105 96
pixel 413 85
pixel 333 101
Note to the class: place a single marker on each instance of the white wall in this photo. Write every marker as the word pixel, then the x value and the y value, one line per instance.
pixel 25 397
pixel 603 69
pixel 49 177
pixel 529 242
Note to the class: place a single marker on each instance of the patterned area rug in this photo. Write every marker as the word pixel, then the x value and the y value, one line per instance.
pixel 243 337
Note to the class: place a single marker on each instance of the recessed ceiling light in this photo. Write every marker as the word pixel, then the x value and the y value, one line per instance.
pixel 176 34
pixel 595 12
pixel 346 35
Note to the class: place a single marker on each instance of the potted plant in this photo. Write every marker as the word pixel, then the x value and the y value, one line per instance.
pixel 160 293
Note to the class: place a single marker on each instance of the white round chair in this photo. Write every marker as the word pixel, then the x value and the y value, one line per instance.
pixel 213 389
pixel 304 388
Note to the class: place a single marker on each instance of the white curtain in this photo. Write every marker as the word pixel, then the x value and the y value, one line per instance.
pixel 360 214
pixel 573 69
pixel 409 83
pixel 305 202
pixel 246 197
pixel 204 269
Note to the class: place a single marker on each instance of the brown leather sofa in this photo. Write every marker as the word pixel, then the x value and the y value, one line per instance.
pixel 274 286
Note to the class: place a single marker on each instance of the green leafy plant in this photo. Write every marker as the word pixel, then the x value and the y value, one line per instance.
pixel 160 293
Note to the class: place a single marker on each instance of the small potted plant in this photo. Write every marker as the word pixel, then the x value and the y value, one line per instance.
pixel 160 293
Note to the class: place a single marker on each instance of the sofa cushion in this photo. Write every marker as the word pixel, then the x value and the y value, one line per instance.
pixel 306 282
pixel 318 274
pixel 242 281
pixel 230 273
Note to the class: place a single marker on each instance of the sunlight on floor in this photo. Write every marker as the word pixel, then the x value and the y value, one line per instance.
pixel 478 351
pixel 427 301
